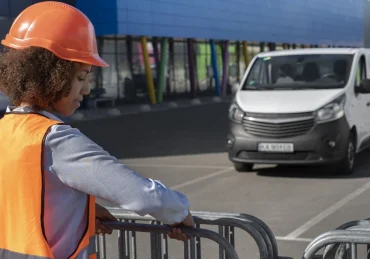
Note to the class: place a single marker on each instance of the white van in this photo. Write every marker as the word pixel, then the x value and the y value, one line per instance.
pixel 4 102
pixel 307 106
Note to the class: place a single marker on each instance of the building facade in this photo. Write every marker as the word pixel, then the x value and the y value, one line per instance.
pixel 165 49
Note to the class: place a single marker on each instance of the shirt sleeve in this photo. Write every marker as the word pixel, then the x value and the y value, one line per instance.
pixel 83 165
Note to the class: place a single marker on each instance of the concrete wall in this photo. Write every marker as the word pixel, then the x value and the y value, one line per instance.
pixel 339 22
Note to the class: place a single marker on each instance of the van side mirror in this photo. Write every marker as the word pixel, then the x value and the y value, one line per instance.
pixel 235 87
pixel 364 87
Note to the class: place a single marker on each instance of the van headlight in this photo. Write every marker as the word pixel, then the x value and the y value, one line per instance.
pixel 235 113
pixel 331 111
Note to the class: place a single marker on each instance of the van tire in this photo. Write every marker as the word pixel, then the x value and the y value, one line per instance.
pixel 345 167
pixel 243 167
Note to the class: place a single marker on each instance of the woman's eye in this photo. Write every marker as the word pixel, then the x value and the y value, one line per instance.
pixel 81 79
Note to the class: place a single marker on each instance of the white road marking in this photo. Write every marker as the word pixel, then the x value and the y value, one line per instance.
pixel 298 239
pixel 179 166
pixel 296 233
pixel 200 179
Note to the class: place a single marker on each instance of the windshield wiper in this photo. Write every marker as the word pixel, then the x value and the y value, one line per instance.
pixel 253 88
pixel 270 88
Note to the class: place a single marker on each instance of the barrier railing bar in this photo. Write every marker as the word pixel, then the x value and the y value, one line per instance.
pixel 220 251
pixel 134 243
pixel 128 243
pixel 192 248
pixel 163 229
pixel 122 244
pixel 97 245
pixel 101 247
pixel 353 251
pixel 198 242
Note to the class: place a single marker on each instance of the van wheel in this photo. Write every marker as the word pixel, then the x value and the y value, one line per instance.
pixel 243 167
pixel 345 167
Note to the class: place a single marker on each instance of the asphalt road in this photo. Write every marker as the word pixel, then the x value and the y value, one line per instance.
pixel 185 149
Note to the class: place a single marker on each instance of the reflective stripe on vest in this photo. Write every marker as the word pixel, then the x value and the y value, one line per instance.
pixel 22 233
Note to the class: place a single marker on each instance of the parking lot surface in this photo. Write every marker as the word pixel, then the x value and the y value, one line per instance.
pixel 185 149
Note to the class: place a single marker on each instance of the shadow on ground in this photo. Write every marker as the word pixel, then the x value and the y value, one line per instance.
pixel 361 170
pixel 183 131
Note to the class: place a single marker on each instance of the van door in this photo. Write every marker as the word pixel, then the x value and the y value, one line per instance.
pixel 362 103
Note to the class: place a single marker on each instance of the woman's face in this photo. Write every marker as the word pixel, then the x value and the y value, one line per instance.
pixel 80 87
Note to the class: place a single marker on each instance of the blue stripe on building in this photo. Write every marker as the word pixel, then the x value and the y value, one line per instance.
pixel 339 22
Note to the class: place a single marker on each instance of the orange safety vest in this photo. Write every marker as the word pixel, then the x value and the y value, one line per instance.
pixel 22 233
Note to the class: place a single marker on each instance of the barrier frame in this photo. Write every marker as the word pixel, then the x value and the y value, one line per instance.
pixel 228 249
pixel 343 239
pixel 226 222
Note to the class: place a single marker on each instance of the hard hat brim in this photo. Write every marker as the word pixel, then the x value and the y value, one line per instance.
pixel 66 54
pixel 94 60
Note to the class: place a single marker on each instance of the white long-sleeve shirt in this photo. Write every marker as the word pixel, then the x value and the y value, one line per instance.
pixel 74 167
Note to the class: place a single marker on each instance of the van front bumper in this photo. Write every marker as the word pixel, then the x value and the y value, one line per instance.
pixel 310 148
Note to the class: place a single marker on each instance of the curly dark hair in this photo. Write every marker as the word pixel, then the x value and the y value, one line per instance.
pixel 35 76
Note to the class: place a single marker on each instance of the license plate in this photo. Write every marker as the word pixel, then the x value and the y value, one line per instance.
pixel 276 147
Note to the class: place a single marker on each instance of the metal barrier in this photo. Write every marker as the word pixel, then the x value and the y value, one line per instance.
pixel 226 249
pixel 226 222
pixel 342 242
pixel 344 249
pixel 338 243
pixel 352 237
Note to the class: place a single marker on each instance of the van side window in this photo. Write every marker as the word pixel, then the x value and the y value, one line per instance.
pixel 255 73
pixel 361 71
pixel 260 73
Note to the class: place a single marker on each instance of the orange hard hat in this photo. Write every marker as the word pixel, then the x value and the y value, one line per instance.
pixel 59 28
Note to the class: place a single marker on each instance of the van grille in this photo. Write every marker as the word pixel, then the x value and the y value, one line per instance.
pixel 275 126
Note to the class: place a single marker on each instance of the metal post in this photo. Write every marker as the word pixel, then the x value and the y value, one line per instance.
pixel 262 47
pixel 245 54
pixel 132 90
pixel 116 55
pixel 156 56
pixel 191 67
pixel 162 70
pixel 225 67
pixel 148 71
pixel 238 60
pixel 214 66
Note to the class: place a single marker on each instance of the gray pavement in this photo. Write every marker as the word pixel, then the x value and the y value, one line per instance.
pixel 185 149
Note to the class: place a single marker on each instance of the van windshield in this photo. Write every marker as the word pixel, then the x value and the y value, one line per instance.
pixel 298 72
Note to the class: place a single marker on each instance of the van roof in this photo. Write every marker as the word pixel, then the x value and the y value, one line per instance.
pixel 308 51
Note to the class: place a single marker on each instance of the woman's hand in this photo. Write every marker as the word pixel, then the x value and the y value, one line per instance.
pixel 102 214
pixel 177 233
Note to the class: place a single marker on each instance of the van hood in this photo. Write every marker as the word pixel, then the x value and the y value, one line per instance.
pixel 281 101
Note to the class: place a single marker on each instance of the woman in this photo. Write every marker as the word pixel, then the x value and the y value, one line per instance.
pixel 50 173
